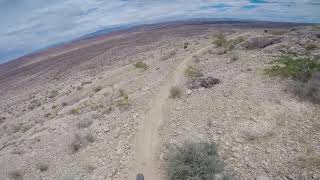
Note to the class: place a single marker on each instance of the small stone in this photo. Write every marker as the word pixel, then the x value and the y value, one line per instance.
pixel 189 92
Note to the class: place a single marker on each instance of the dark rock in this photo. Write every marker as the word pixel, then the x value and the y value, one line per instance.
pixel 208 82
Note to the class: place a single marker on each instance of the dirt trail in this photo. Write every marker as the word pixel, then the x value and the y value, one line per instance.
pixel 147 138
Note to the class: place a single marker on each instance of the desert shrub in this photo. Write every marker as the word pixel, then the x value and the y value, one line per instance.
pixel 75 111
pixel 90 138
pixel 141 65
pixel 168 55
pixel 123 102
pixel 233 42
pixel 16 175
pixel 80 141
pixel 53 94
pixel 220 40
pixel 308 90
pixel 298 68
pixel 185 45
pixel 64 104
pixel 195 161
pixel 175 92
pixel 97 89
pixel 234 56
pixel 84 123
pixel 309 46
pixel 193 72
pixel 42 166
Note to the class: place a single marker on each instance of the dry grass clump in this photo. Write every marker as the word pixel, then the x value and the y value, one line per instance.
pixel 175 92
pixel 193 72
pixel 195 161
pixel 141 65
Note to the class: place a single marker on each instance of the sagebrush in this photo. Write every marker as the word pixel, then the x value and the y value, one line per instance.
pixel 195 161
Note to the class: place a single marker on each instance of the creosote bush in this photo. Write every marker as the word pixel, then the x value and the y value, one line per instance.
pixel 195 161
pixel 141 65
pixel 193 72
pixel 297 68
pixel 305 72
pixel 220 40
pixel 175 92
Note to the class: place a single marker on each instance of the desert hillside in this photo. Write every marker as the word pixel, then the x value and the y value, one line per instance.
pixel 122 104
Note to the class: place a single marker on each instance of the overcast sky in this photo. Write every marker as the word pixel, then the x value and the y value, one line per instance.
pixel 27 25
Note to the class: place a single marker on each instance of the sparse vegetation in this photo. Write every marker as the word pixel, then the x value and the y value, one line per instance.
pixel 298 68
pixel 75 111
pixel 305 71
pixel 308 90
pixel 175 92
pixel 309 46
pixel 195 161
pixel 185 45
pixel 42 166
pixel 97 89
pixel 193 72
pixel 79 141
pixel 278 32
pixel 220 40
pixel 233 42
pixel 123 102
pixel 141 65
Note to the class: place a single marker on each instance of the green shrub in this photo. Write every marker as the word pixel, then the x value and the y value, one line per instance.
pixel 141 65
pixel 175 92
pixel 233 42
pixel 298 68
pixel 193 72
pixel 123 102
pixel 220 40
pixel 75 111
pixel 195 161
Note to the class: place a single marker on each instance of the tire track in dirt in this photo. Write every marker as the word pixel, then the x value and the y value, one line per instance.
pixel 147 138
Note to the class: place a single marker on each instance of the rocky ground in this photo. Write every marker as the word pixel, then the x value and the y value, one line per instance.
pixel 87 112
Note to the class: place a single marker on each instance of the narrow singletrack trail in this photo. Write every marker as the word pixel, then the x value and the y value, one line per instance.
pixel 147 138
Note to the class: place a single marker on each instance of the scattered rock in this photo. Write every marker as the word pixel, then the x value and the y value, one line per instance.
pixel 262 178
pixel 208 82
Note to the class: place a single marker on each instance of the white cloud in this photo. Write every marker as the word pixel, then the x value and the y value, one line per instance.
pixel 27 25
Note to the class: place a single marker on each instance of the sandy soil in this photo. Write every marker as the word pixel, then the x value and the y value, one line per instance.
pixel 84 111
